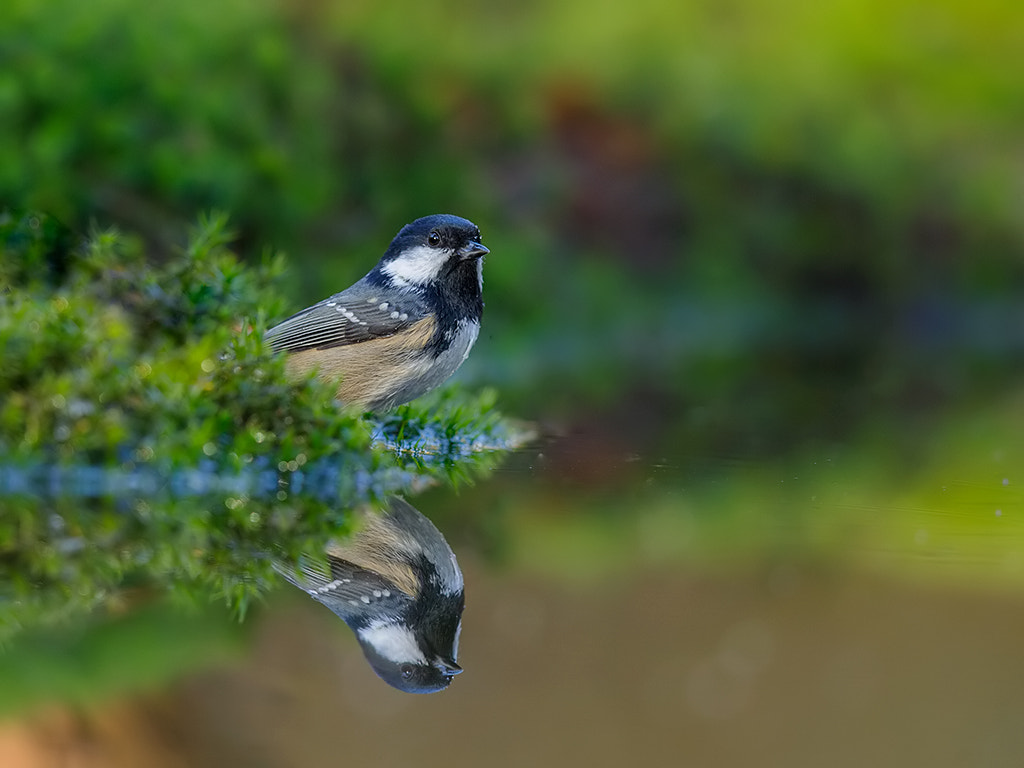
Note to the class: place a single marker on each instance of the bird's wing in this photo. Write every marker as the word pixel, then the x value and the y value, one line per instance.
pixel 347 587
pixel 356 314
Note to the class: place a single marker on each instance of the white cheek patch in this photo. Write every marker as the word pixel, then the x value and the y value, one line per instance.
pixel 416 266
pixel 455 645
pixel 394 642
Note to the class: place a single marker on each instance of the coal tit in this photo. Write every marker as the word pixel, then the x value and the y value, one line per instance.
pixel 405 327
pixel 396 583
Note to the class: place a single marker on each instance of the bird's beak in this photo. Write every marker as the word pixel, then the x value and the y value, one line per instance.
pixel 473 250
pixel 449 667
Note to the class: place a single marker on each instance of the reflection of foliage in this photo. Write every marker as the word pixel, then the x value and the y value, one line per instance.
pixel 165 443
pixel 144 647
pixel 943 505
pixel 64 557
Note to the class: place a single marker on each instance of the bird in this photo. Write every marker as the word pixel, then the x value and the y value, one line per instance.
pixel 397 585
pixel 404 328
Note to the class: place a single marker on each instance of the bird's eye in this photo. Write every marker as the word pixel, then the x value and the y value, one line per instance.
pixel 406 671
pixel 434 239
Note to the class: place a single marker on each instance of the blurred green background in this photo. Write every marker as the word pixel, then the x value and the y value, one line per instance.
pixel 756 273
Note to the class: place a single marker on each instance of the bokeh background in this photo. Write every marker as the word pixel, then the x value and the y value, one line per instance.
pixel 756 275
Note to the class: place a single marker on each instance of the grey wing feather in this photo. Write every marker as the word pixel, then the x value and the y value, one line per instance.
pixel 346 584
pixel 355 315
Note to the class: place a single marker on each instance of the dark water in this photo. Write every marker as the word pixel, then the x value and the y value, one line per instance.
pixel 630 597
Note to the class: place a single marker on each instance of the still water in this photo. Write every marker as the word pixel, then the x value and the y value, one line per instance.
pixel 628 598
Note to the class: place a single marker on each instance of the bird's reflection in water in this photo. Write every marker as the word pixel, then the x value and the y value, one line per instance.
pixel 397 585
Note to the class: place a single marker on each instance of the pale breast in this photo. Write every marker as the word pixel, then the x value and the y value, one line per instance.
pixel 386 372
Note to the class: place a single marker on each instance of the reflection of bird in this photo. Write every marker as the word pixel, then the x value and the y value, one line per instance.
pixel 405 327
pixel 396 583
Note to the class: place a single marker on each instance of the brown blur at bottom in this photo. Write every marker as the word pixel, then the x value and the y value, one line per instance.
pixel 785 667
